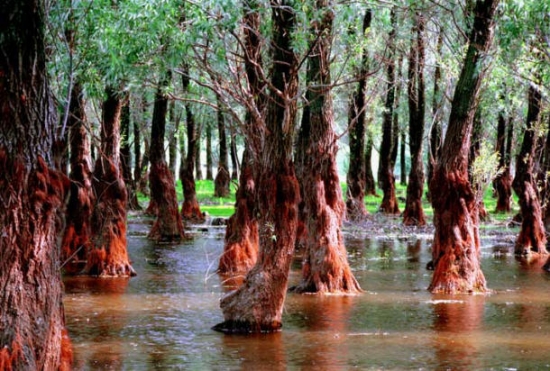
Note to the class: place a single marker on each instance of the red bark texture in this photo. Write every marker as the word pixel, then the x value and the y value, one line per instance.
pixel 325 263
pixel 456 245
pixel 168 226
pixel 76 238
pixel 108 255
pixel 241 236
pixel 532 236
pixel 32 323
pixel 257 305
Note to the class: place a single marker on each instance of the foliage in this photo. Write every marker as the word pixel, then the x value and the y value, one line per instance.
pixel 484 170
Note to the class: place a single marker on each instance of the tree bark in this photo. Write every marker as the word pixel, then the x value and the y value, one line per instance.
pixel 175 118
pixel 198 150
pixel 190 210
pixel 125 155
pixel 234 158
pixel 325 267
pixel 108 255
pixel 355 204
pixel 503 181
pixel 223 178
pixel 168 226
pixel 76 237
pixel 209 164
pixel 402 157
pixel 532 236
pixel 257 305
pixel 241 235
pixel 436 135
pixel 32 323
pixel 455 249
pixel 414 213
pixel 370 183
pixel 475 146
pixel 386 178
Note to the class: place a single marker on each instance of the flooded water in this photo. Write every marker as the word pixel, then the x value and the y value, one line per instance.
pixel 161 319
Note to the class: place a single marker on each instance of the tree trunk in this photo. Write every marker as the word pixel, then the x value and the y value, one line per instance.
pixel 76 237
pixel 108 255
pixel 257 305
pixel 168 226
pixel 455 249
pixel 414 213
pixel 175 118
pixel 209 164
pixel 532 236
pixel 241 236
pixel 190 209
pixel 402 157
pixel 436 135
pixel 386 178
pixel 355 204
pixel 234 158
pixel 198 150
pixel 32 323
pixel 221 183
pixel 477 137
pixel 370 183
pixel 125 155
pixel 325 264
pixel 503 181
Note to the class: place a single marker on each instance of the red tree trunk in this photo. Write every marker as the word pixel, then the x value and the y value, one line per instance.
pixel 190 210
pixel 257 305
pixel 532 236
pixel 32 324
pixel 223 178
pixel 325 264
pixel 503 181
pixel 168 226
pixel 355 204
pixel 455 249
pixel 108 255
pixel 76 238
pixel 386 178
pixel 414 213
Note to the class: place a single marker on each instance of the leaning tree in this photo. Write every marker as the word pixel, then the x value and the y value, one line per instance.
pixel 32 323
pixel 455 249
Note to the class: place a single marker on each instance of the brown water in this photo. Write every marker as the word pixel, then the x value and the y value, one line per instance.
pixel 161 319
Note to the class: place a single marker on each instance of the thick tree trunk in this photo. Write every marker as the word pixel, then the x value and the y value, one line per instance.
pixel 168 226
pixel 325 264
pixel 386 178
pixel 503 181
pixel 532 236
pixel 32 324
pixel 257 305
pixel 76 237
pixel 355 203
pixel 108 255
pixel 414 213
pixel 125 155
pixel 436 135
pixel 370 183
pixel 456 245
pixel 190 210
pixel 223 178
pixel 241 236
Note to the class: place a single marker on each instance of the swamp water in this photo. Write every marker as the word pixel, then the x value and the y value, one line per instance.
pixel 161 319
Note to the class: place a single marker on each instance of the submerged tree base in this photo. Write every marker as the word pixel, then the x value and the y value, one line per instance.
pixel 245 327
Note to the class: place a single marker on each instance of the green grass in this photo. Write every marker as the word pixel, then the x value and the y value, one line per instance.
pixel 224 207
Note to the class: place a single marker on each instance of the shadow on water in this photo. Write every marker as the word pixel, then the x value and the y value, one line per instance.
pixel 161 319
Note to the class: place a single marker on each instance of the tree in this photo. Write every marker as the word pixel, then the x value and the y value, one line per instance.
pixel 257 305
pixel 32 323
pixel 325 264
pixel 168 226
pixel 532 236
pixel 355 203
pixel 503 181
pixel 76 237
pixel 370 184
pixel 108 255
pixel 455 249
pixel 221 183
pixel 414 214
pixel 386 178
pixel 125 156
